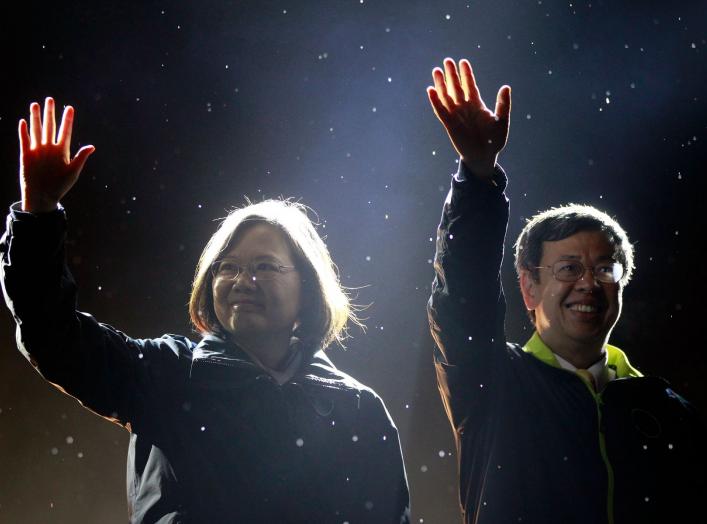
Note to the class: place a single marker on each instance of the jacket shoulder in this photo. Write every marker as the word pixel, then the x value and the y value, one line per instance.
pixel 180 346
pixel 323 371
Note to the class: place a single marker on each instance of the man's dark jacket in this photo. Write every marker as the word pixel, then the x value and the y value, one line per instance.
pixel 535 444
pixel 213 437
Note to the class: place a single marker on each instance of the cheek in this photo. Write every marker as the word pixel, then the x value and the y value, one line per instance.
pixel 291 298
pixel 551 294
pixel 217 298
pixel 555 295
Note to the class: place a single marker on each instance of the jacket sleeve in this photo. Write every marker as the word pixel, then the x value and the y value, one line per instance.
pixel 467 308
pixel 107 371
pixel 386 498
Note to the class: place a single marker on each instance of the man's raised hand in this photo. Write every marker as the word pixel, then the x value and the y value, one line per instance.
pixel 476 133
pixel 47 171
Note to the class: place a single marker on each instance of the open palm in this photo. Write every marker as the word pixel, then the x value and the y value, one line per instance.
pixel 47 171
pixel 477 133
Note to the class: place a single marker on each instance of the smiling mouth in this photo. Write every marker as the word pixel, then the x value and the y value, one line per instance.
pixel 583 308
pixel 245 304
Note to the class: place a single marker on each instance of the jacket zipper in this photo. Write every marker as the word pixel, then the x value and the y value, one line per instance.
pixel 602 449
pixel 605 458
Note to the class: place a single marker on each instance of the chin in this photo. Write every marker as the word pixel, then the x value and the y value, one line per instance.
pixel 243 328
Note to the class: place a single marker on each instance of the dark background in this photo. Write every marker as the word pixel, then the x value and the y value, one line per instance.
pixel 192 106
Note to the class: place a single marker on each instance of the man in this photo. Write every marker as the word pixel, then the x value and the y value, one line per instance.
pixel 563 429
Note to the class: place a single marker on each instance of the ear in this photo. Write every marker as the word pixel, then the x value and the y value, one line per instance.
pixel 529 290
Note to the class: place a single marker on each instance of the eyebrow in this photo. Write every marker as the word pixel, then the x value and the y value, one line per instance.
pixel 577 257
pixel 257 258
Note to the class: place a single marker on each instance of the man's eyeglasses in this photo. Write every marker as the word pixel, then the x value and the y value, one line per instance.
pixel 573 270
pixel 229 269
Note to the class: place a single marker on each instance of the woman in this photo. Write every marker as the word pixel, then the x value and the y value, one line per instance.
pixel 252 424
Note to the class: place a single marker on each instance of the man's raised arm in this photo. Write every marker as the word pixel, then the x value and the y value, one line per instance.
pixel 467 308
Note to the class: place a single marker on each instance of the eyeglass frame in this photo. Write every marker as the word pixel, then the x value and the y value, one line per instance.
pixel 281 269
pixel 584 270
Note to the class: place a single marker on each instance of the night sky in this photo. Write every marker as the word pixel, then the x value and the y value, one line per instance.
pixel 193 107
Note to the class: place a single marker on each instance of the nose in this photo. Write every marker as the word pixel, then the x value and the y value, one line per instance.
pixel 244 280
pixel 587 281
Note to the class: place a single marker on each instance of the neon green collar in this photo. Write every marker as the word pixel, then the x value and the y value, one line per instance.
pixel 617 359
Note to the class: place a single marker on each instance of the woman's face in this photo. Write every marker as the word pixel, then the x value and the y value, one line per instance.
pixel 248 307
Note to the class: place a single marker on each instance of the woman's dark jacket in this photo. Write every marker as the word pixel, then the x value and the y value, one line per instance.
pixel 213 437
pixel 535 444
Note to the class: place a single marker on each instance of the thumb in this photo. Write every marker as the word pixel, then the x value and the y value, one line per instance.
pixel 80 159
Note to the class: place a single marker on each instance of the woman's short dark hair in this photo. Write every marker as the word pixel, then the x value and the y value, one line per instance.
pixel 326 304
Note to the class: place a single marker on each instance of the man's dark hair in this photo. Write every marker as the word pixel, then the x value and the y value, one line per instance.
pixel 559 223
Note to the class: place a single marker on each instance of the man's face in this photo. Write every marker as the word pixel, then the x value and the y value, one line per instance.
pixel 577 315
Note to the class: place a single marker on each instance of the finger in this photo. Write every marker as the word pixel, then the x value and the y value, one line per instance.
pixel 471 90
pixel 503 104
pixel 437 105
pixel 64 137
pixel 23 132
pixel 35 125
pixel 453 85
pixel 49 128
pixel 79 160
pixel 441 88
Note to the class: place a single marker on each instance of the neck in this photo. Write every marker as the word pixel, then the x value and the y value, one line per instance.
pixel 270 351
pixel 580 355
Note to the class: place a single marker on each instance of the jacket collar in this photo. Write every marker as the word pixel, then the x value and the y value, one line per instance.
pixel 616 358
pixel 214 352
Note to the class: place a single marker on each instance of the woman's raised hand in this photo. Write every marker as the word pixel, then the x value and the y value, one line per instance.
pixel 47 171
pixel 476 133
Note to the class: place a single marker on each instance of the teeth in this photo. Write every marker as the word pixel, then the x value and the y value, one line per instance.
pixel 583 308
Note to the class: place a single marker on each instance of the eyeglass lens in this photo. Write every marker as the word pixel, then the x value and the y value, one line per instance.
pixel 572 270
